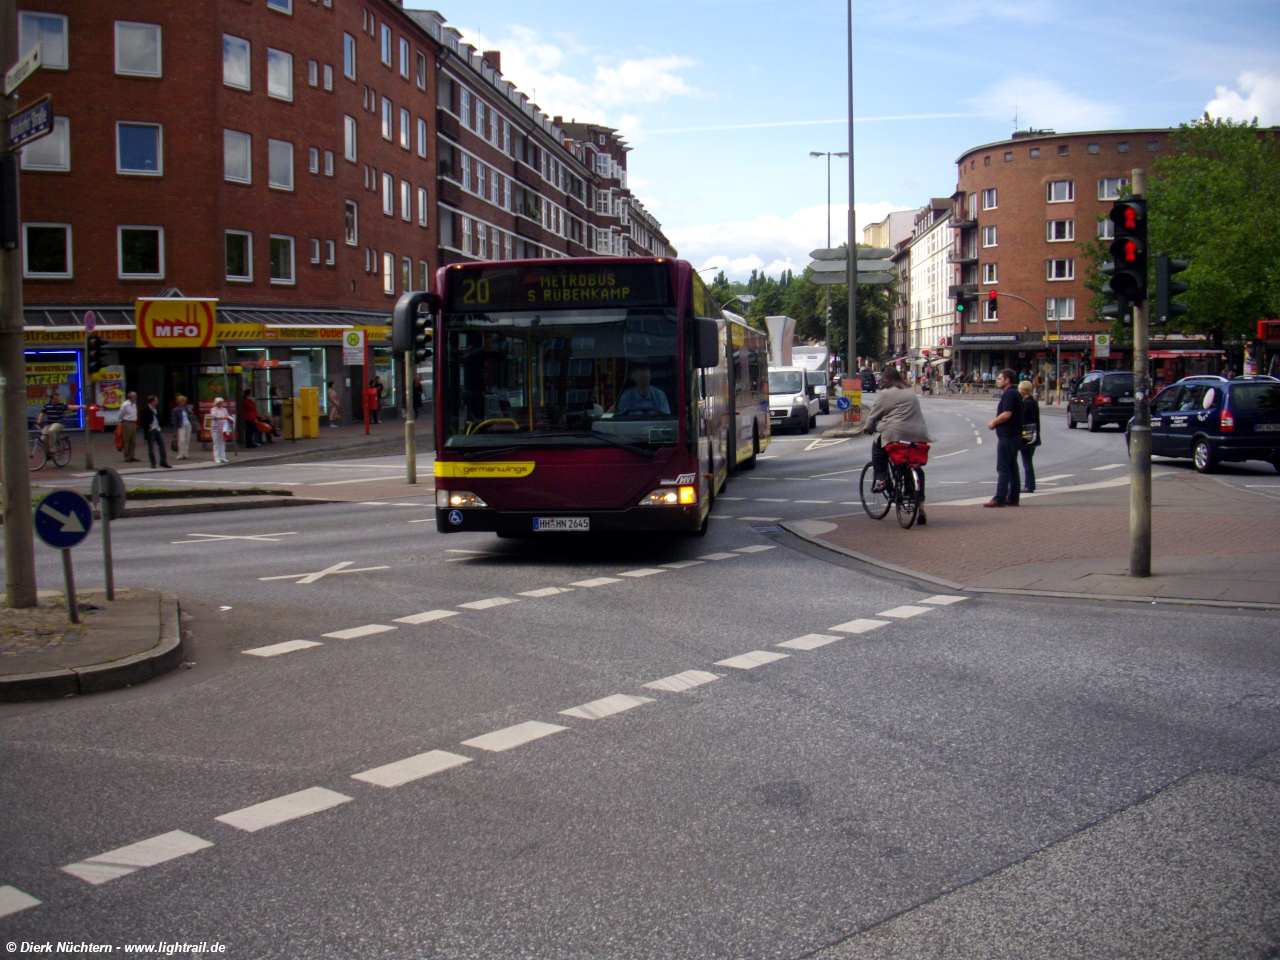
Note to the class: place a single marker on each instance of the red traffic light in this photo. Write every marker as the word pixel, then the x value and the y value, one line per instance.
pixel 991 294
pixel 1128 251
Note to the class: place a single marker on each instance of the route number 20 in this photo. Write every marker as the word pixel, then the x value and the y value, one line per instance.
pixel 475 291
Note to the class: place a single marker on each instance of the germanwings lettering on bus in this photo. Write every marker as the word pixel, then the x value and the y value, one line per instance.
pixel 490 471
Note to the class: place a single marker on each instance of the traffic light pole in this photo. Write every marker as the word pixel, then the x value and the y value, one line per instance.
pixel 853 223
pixel 1140 432
pixel 410 447
pixel 84 401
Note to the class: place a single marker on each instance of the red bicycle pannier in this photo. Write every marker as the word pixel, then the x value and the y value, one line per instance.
pixel 914 453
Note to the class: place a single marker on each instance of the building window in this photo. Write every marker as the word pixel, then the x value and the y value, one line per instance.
pixel 466 172
pixel 1122 147
pixel 482 239
pixel 140 253
pixel 1064 149
pixel 239 245
pixel 1008 156
pixel 480 178
pixel 386 45
pixel 1060 269
pixel 388 195
pixel 989 311
pixel 313 73
pixel 281 259
pixel 406 274
pixel 314 159
pixel 1153 146
pixel 328 76
pixel 137 49
pixel 422 137
pixel 284 6
pixel 1060 308
pixel 349 138
pixel 422 76
pixel 315 251
pixel 52 151
pixel 1056 231
pixel 988 236
pixel 480 116
pixel 1093 148
pixel 1059 191
pixel 506 246
pixel 348 56
pixel 466 235
pixel 328 163
pixel 237 156
pixel 506 137
pixel 388 271
pixel 1035 152
pixel 1106 229
pixel 351 224
pixel 406 201
pixel 424 275
pixel 388 123
pixel 330 253
pixel 47 29
pixel 279 74
pixel 466 108
pixel 422 207
pixel 235 62
pixel 989 199
pixel 139 149
pixel 405 126
pixel 1109 187
pixel 989 273
pixel 986 161
pixel 404 58
pixel 46 251
pixel 280 164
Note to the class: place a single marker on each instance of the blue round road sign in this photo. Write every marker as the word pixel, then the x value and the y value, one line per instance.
pixel 63 519
pixel 843 403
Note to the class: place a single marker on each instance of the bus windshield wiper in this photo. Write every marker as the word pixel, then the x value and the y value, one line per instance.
pixel 613 442
pixel 551 441
pixel 488 452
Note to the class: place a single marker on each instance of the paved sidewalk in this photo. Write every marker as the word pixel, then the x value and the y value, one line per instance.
pixel 1210 542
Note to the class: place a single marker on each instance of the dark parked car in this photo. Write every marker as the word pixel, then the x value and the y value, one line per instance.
pixel 1211 419
pixel 868 379
pixel 1101 396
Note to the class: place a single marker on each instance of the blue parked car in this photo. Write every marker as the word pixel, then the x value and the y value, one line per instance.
pixel 1213 419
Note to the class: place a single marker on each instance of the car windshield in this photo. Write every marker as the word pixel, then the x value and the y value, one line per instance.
pixel 1118 384
pixel 1256 398
pixel 785 381
pixel 569 378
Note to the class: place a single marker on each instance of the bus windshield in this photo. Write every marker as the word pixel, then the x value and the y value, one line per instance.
pixel 563 378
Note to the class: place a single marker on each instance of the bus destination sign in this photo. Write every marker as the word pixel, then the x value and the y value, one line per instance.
pixel 525 286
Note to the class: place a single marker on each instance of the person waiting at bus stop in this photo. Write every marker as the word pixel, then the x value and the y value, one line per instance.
pixel 643 397
pixel 896 417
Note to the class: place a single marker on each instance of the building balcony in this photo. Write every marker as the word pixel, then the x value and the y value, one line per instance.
pixel 962 258
pixel 528 176
pixel 449 192
pixel 448 124
pixel 530 229
pixel 962 291
pixel 964 224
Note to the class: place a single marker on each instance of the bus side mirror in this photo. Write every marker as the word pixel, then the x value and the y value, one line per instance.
pixel 708 343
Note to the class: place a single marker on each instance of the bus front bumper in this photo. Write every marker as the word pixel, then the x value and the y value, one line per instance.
pixel 522 522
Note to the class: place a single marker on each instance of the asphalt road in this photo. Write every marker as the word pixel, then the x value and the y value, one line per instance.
pixel 977 777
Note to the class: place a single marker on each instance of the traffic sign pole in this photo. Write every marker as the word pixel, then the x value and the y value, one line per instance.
pixel 1140 432
pixel 69 576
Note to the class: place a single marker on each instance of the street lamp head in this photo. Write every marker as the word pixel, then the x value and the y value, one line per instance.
pixel 816 153
pixel 840 154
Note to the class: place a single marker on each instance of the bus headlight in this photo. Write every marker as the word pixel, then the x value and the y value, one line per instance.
pixel 671 497
pixel 457 499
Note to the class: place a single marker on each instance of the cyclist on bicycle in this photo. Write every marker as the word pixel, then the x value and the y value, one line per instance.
pixel 895 418
pixel 51 416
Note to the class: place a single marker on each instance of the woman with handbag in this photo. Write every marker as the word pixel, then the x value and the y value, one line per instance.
pixel 183 418
pixel 1030 435
pixel 221 423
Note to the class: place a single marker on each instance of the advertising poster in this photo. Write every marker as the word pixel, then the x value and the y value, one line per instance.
pixel 853 390
pixel 383 366
pixel 110 393
pixel 210 386
pixel 52 375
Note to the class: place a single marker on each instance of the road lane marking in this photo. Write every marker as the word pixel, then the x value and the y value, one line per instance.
pixel 849 503
pixel 952 481
pixel 822 442
pixel 12 900
pixel 722 497
pixel 761 519
pixel 427 616
pixel 681 564
pixel 757 548
pixel 335 483
pixel 942 600
pixel 769 500
pixel 275 649
pixel 749 661
pixel 606 707
pixel 411 768
pixel 810 501
pixel 136 856
pixel 679 682
pixel 321 574
pixel 487 604
pixel 859 626
pixel 1056 476
pixel 368 630
pixel 810 641
pixel 725 556
pixel 1109 466
pixel 212 537
pixel 510 737
pixel 271 813
pixel 642 572
pixel 903 612
pixel 595 582
pixel 545 592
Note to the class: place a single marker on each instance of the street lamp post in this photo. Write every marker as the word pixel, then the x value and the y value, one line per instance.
pixel 827 288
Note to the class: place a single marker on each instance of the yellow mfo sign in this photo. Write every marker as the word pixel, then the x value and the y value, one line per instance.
pixel 489 470
pixel 171 322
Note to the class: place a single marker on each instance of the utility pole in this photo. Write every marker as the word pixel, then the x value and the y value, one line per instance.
pixel 1140 432
pixel 853 221
pixel 19 545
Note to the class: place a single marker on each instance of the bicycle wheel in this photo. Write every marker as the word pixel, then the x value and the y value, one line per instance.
pixel 62 452
pixel 876 504
pixel 37 456
pixel 906 501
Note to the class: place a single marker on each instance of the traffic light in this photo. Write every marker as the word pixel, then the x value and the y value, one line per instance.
pixel 1129 249
pixel 1116 311
pixel 960 307
pixel 410 327
pixel 97 350
pixel 1166 289
pixel 992 304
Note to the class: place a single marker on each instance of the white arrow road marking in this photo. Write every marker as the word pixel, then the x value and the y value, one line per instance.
pixel 12 900
pixel 70 523
pixel 825 442
pixel 210 537
pixel 321 574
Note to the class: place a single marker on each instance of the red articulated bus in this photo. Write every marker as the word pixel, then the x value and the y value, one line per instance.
pixel 590 395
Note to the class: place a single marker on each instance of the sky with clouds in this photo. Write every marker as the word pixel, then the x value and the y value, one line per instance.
pixel 723 100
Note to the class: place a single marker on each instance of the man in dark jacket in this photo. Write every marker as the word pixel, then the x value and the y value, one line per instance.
pixel 1008 428
pixel 149 424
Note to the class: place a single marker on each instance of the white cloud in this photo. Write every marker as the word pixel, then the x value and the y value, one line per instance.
pixel 770 243
pixel 1261 99
pixel 1044 104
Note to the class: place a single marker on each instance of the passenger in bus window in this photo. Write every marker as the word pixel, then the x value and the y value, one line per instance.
pixel 643 397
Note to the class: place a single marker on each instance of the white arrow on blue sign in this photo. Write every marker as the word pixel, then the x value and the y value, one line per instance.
pixel 63 519
pixel 843 403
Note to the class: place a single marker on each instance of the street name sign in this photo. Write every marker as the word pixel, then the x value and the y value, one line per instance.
pixel 63 519
pixel 874 278
pixel 828 278
pixel 23 69
pixel 31 124
pixel 834 253
pixel 830 266
pixel 874 253
pixel 869 266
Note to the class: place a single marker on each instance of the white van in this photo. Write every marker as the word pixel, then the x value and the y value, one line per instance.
pixel 793 401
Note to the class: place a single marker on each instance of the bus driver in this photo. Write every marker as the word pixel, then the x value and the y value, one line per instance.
pixel 643 397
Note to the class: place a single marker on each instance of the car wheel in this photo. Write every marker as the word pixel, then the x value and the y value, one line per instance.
pixel 1203 456
pixel 804 424
pixel 1071 421
pixel 1094 423
pixel 813 421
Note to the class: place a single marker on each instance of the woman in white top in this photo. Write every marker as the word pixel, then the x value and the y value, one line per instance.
pixel 220 426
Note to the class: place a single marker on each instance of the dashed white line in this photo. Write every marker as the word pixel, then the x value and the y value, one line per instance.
pixel 678 682
pixel 515 736
pixel 1109 466
pixel 859 626
pixel 276 649
pixel 726 556
pixel 810 641
pixel 269 813
pixel 545 592
pixel 12 900
pixel 943 599
pixel 136 856
pixel 411 768
pixel 901 613
pixel 606 707
pixel 681 564
pixel 756 548
pixel 722 497
pixel 769 500
pixel 749 661
pixel 368 630
pixel 642 572
pixel 1056 476
pixel 759 519
pixel 427 616
pixel 810 501
pixel 595 582
pixel 487 604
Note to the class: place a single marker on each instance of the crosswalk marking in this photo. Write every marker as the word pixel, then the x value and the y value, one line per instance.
pixel 642 572
pixel 427 616
pixel 719 556
pixel 606 707
pixel 859 626
pixel 276 649
pixel 756 548
pixel 487 604
pixel 901 613
pixel 545 592
pixel 749 661
pixel 681 564
pixel 12 900
pixel 596 582
pixel 942 600
pixel 679 682
pixel 510 737
pixel 810 641
pixel 411 768
pixel 368 630
pixel 270 813
pixel 136 856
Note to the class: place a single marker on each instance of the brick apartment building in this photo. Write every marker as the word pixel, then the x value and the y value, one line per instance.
pixel 304 162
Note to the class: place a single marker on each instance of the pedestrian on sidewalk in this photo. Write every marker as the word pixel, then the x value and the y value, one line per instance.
pixel 335 408
pixel 1030 436
pixel 149 422
pixel 250 410
pixel 895 417
pixel 379 389
pixel 220 424
pixel 417 396
pixel 183 420
pixel 129 421
pixel 1008 428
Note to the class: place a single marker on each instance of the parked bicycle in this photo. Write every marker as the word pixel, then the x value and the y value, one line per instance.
pixel 45 448
pixel 904 487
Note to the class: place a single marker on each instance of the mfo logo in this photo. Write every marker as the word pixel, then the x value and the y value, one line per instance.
pixel 189 330
pixel 175 322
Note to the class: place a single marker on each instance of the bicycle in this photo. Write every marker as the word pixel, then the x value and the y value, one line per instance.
pixel 904 487
pixel 41 452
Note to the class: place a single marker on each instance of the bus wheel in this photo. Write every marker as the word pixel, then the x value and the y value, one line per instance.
pixel 750 462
